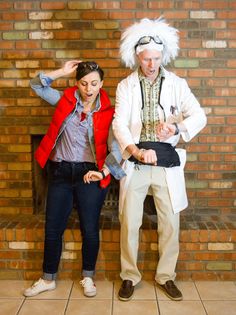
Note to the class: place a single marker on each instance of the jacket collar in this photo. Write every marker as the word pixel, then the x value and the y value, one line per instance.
pixel 71 95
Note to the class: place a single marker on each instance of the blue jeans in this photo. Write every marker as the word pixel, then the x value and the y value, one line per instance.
pixel 66 187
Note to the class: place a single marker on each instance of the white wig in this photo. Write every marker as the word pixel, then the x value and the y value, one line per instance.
pixel 130 37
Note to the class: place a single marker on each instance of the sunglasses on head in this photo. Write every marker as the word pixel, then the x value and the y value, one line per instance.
pixel 89 65
pixel 147 39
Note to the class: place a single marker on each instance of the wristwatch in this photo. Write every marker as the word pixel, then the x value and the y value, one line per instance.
pixel 103 174
pixel 176 129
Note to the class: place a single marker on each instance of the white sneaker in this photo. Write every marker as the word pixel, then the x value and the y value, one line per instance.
pixel 89 287
pixel 40 286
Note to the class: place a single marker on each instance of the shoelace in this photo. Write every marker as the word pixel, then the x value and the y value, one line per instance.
pixel 36 283
pixel 87 281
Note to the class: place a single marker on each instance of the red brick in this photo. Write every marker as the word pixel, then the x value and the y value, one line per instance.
pixel 94 15
pixel 211 157
pixel 55 5
pixel 107 5
pixel 201 73
pixel 121 15
pixel 222 148
pixel 213 5
pixel 207 194
pixel 67 35
pixel 195 266
pixel 28 45
pixel 129 5
pixel 194 236
pixel 204 276
pixel 227 73
pixel 14 16
pixel 68 235
pixel 220 202
pixel 226 14
pixel 154 5
pixel 186 256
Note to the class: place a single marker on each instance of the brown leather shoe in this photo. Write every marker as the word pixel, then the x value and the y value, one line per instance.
pixel 171 290
pixel 126 290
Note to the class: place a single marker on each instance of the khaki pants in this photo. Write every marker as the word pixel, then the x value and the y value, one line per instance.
pixel 143 178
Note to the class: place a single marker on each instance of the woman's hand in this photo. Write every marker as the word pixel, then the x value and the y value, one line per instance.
pixel 92 176
pixel 70 66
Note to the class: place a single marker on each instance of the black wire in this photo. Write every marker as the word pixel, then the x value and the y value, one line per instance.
pixel 159 97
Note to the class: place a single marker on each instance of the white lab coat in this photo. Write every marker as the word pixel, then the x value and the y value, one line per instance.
pixel 127 126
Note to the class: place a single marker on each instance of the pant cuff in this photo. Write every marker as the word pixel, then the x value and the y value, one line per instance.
pixel 88 273
pixel 49 276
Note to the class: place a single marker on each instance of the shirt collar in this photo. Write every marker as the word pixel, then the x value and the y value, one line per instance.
pixel 79 102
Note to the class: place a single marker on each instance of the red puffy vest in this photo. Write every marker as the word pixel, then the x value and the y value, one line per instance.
pixel 101 122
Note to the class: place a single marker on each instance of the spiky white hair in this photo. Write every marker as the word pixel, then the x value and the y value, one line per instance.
pixel 146 27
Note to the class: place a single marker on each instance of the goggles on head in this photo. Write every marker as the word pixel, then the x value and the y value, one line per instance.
pixel 147 39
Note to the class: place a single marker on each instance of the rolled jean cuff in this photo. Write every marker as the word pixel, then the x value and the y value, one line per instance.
pixel 88 273
pixel 49 276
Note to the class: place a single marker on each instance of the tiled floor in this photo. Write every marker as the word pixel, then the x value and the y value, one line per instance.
pixel 200 298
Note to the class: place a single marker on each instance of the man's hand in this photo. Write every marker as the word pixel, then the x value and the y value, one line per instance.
pixel 147 156
pixel 165 131
pixel 142 155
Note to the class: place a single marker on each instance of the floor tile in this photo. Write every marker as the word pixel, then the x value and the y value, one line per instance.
pixel 200 298
pixel 216 290
pixel 187 288
pixel 143 291
pixel 39 307
pixel 89 307
pixel 220 307
pixel 181 308
pixel 62 291
pixel 135 307
pixel 10 306
pixel 13 288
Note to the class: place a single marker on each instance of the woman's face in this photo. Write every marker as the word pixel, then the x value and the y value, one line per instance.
pixel 89 87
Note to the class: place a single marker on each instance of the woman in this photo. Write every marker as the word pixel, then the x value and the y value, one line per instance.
pixel 75 150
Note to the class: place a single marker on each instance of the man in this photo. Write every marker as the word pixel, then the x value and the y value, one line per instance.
pixel 153 108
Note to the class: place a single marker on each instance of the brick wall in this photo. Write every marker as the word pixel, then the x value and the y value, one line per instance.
pixel 39 35
pixel 205 253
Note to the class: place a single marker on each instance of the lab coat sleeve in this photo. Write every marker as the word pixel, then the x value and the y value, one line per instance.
pixel 121 118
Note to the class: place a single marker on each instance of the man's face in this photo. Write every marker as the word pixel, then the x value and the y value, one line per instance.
pixel 150 61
